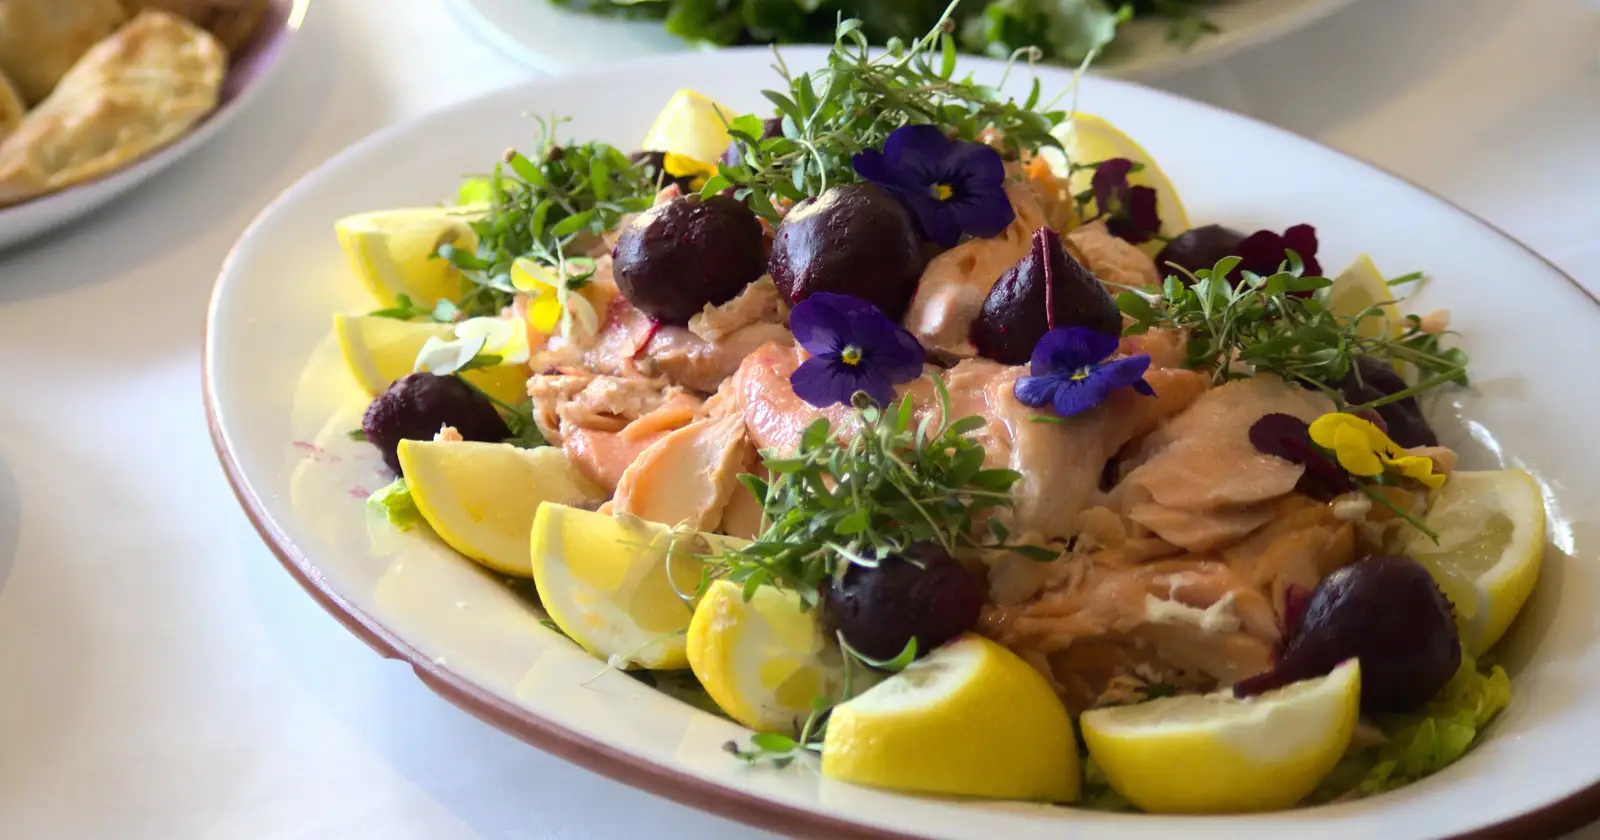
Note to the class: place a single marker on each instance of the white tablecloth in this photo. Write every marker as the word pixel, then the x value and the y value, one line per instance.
pixel 162 678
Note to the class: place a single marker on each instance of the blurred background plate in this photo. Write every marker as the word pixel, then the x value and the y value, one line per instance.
pixel 248 72
pixel 555 40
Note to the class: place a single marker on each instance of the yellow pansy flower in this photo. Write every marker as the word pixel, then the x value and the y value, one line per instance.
pixel 1363 449
pixel 543 290
pixel 679 166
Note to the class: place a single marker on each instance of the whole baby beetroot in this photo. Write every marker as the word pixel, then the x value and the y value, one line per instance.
pixel 416 406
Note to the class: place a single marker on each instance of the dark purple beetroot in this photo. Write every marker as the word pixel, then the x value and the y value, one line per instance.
pixel 1199 248
pixel 1389 613
pixel 416 406
pixel 734 154
pixel 1372 380
pixel 682 254
pixel 879 609
pixel 852 240
pixel 1046 289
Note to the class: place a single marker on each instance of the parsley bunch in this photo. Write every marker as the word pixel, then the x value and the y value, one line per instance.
pixel 857 500
pixel 856 101
pixel 1282 324
pixel 549 208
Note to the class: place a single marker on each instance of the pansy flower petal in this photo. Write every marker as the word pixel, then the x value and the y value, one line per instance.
pixel 1126 372
pixel 1302 239
pixel 544 311
pixel 1076 396
pixel 1419 467
pixel 916 153
pixel 823 322
pixel 1110 179
pixel 1036 391
pixel 825 380
pixel 1067 349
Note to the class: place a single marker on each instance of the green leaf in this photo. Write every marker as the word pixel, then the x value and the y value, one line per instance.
pixel 905 657
pixel 572 224
pixel 395 503
pixel 773 742
pixel 947 64
pixel 526 169
pixel 853 523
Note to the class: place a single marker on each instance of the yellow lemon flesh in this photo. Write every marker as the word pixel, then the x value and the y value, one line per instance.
pixel 1491 545
pixel 692 125
pixel 393 251
pixel 1359 288
pixel 1088 139
pixel 1214 753
pixel 761 660
pixel 617 584
pixel 481 497
pixel 969 719
pixel 381 350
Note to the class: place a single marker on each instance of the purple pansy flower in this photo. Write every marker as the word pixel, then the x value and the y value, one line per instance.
pixel 1288 437
pixel 854 347
pixel 950 187
pixel 1263 251
pixel 1129 211
pixel 1071 374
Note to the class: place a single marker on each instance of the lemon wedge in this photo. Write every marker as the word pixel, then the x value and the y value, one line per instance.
pixel 969 719
pixel 617 584
pixel 393 251
pixel 481 497
pixel 1214 753
pixel 761 660
pixel 692 125
pixel 1088 139
pixel 1491 545
pixel 1359 288
pixel 380 350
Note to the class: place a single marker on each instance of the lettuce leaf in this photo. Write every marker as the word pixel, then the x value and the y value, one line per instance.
pixel 1424 742
pixel 395 503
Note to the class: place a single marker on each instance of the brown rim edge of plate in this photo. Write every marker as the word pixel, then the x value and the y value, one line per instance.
pixel 1547 822
pixel 557 740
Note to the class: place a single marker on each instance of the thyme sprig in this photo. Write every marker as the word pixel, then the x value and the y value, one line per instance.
pixel 855 103
pixel 550 208
pixel 1282 324
pixel 892 484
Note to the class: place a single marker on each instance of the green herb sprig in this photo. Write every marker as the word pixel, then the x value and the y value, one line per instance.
pixel 549 208
pixel 857 500
pixel 856 101
pixel 1282 324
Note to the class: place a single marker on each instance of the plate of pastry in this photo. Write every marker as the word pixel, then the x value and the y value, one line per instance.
pixel 97 96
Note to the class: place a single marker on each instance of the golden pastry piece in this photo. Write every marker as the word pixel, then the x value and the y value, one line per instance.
pixel 11 107
pixel 232 21
pixel 133 92
pixel 40 39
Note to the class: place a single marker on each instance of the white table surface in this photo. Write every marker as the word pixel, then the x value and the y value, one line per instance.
pixel 162 678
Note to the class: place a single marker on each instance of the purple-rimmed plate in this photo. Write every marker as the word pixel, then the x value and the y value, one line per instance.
pixel 252 65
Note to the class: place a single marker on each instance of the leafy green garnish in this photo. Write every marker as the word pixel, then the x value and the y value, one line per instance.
pixel 1272 325
pixel 395 503
pixel 890 485
pixel 1065 30
pixel 1062 30
pixel 405 309
pixel 549 208
pixel 855 102
pixel 1424 742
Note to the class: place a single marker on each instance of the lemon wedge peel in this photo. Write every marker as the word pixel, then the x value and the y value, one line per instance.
pixel 1360 291
pixel 970 718
pixel 691 125
pixel 764 660
pixel 1218 754
pixel 619 586
pixel 380 350
pixel 481 498
pixel 394 251
pixel 1491 528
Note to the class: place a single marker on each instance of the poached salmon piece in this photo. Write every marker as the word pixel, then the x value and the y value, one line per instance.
pixel 688 476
